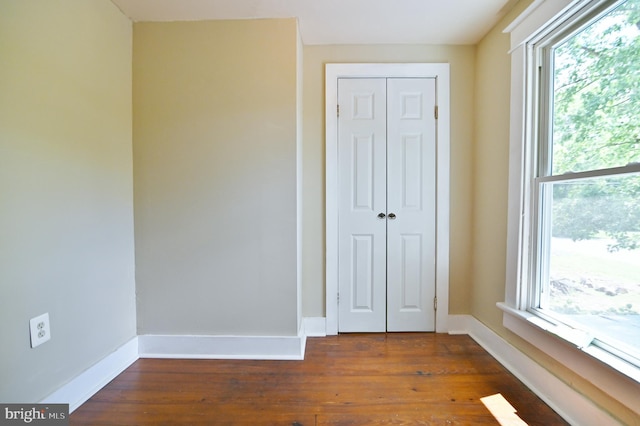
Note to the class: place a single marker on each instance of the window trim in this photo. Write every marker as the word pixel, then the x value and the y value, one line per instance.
pixel 610 373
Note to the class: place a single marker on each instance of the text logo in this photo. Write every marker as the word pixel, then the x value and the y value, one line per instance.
pixel 35 414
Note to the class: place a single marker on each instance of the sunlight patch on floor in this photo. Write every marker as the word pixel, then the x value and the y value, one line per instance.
pixel 504 412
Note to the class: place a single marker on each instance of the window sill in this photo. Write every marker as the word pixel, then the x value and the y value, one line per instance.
pixel 571 348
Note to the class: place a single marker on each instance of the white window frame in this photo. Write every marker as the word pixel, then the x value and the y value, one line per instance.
pixel 570 347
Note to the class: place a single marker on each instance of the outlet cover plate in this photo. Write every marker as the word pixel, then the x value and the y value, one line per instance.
pixel 40 329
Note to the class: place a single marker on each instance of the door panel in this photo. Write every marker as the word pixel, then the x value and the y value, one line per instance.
pixel 412 173
pixel 410 293
pixel 362 153
pixel 362 196
pixel 362 248
pixel 411 183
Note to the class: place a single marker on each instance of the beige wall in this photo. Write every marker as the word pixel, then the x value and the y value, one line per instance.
pixel 491 167
pixel 215 138
pixel 299 170
pixel 462 63
pixel 66 190
pixel 491 171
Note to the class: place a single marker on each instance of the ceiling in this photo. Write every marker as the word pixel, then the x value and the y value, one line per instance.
pixel 343 21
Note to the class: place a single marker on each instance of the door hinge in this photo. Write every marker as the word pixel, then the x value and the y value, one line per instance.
pixel 435 303
pixel 338 110
pixel 435 112
pixel 338 298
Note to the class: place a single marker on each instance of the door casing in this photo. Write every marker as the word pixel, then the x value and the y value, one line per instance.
pixel 440 72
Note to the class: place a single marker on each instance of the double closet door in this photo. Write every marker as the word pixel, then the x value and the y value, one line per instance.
pixel 386 204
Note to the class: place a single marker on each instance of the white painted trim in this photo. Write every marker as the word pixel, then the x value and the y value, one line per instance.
pixel 613 376
pixel 517 223
pixel 528 11
pixel 571 405
pixel 315 326
pixel 529 23
pixel 85 385
pixel 439 71
pixel 222 347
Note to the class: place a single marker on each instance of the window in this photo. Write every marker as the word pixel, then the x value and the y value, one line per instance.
pixel 585 270
pixel 573 266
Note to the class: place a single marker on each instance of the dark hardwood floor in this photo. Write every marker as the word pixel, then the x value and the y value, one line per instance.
pixel 355 379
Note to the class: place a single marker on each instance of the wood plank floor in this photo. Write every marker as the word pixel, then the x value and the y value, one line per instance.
pixel 354 379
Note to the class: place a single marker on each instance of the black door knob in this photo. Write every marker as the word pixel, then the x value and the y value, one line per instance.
pixel 381 215
pixel 392 215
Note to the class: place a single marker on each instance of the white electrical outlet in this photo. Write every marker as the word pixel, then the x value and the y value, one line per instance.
pixel 40 329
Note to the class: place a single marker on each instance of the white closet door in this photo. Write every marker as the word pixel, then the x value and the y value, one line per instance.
pixel 411 198
pixel 362 197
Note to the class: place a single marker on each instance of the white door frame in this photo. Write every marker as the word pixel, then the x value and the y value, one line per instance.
pixel 441 73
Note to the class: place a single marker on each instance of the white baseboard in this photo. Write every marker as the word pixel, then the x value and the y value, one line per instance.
pixel 88 383
pixel 85 385
pixel 222 347
pixel 571 405
pixel 315 326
